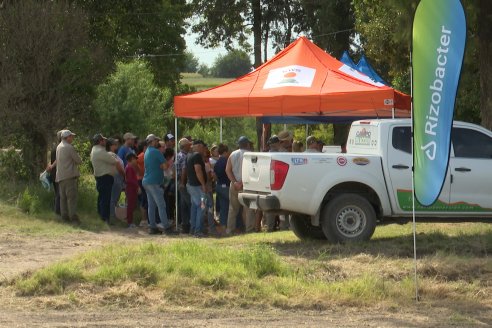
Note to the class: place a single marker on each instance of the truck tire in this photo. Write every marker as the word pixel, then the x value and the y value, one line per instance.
pixel 303 229
pixel 348 218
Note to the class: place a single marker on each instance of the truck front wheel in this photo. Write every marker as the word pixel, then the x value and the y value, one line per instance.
pixel 348 218
pixel 303 229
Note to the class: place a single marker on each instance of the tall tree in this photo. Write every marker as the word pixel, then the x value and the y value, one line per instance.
pixel 385 28
pixel 485 60
pixel 331 24
pixel 236 63
pixel 46 74
pixel 152 29
pixel 129 100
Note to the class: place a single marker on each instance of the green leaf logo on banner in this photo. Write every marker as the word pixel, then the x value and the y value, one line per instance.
pixel 439 35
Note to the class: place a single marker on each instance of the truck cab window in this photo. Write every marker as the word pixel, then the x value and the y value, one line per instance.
pixel 471 144
pixel 402 139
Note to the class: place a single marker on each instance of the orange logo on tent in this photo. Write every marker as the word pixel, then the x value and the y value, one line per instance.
pixel 290 76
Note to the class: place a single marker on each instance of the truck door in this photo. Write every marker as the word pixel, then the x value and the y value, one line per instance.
pixel 399 166
pixel 471 187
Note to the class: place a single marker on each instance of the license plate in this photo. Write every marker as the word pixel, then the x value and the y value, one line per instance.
pixel 253 205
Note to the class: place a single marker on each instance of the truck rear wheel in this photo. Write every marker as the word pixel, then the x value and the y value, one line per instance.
pixel 348 218
pixel 303 229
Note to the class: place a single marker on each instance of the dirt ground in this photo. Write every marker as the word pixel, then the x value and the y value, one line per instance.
pixel 20 254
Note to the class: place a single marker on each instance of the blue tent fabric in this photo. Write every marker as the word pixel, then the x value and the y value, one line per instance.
pixel 364 67
pixel 347 60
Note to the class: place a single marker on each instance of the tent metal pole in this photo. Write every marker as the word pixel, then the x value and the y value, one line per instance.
pixel 393 112
pixel 307 131
pixel 176 208
pixel 221 130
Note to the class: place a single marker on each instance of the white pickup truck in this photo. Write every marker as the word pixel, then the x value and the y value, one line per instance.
pixel 341 197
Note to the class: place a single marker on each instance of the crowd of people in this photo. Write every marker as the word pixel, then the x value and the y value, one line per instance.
pixel 146 172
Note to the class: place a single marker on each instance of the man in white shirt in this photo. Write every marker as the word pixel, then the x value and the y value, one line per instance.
pixel 233 171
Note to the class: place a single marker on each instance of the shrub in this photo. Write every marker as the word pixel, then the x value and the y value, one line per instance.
pixel 29 202
pixel 12 167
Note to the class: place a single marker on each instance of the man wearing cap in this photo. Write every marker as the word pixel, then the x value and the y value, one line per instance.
pixel 286 138
pixel 170 140
pixel 312 145
pixel 155 164
pixel 127 147
pixel 104 166
pixel 184 200
pixel 273 144
pixel 233 171
pixel 67 174
pixel 197 186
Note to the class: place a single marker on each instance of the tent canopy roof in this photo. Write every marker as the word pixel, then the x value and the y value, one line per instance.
pixel 301 80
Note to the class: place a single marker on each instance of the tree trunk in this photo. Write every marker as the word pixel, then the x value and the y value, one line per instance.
pixel 257 52
pixel 485 60
pixel 257 31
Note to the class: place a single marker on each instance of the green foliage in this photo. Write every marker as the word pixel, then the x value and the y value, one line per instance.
pixel 87 197
pixel 47 74
pixel 151 29
pixel 204 70
pixel 83 147
pixel 191 63
pixel 29 202
pixel 236 63
pixel 385 34
pixel 331 24
pixel 130 101
pixel 12 167
pixel 209 130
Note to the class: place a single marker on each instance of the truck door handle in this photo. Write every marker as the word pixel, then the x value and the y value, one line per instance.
pixel 400 167
pixel 462 169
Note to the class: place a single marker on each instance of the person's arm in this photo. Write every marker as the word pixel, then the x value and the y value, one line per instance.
pixel 51 166
pixel 237 184
pixel 184 176
pixel 200 177
pixel 120 168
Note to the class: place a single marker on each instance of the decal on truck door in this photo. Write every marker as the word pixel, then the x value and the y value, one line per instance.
pixel 405 202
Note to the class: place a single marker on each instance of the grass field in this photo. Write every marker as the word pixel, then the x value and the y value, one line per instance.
pixel 201 83
pixel 265 270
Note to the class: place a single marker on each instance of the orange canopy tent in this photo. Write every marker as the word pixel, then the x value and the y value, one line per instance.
pixel 301 80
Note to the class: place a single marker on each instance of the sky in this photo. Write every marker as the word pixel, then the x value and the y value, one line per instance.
pixel 205 56
pixel 208 56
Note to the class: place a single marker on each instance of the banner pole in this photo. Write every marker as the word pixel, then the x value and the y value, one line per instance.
pixel 414 225
pixel 176 205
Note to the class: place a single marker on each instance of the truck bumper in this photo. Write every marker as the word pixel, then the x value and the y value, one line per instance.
pixel 262 202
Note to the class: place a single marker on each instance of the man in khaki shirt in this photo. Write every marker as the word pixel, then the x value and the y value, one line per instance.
pixel 67 174
pixel 104 166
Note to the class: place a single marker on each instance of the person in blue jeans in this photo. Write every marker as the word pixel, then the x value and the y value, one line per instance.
pixel 155 164
pixel 197 186
pixel 223 182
